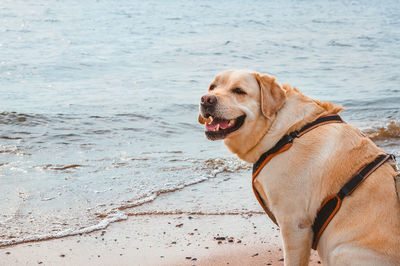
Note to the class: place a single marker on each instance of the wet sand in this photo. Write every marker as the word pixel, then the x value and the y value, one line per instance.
pixel 161 240
pixel 204 224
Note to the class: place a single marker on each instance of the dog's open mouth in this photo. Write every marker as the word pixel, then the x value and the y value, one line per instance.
pixel 219 128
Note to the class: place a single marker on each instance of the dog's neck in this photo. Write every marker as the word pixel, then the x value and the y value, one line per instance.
pixel 290 117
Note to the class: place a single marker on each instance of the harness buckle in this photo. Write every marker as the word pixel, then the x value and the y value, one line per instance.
pixel 292 135
pixel 393 157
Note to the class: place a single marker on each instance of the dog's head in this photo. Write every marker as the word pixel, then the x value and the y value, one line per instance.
pixel 238 102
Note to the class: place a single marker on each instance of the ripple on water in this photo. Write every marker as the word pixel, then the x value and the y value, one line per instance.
pixel 14 118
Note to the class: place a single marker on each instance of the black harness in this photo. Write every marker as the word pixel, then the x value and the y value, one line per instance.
pixel 331 205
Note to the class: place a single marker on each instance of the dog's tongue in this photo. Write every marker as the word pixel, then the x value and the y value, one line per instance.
pixel 223 124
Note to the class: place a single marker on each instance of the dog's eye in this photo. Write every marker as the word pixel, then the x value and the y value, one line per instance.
pixel 238 91
pixel 212 87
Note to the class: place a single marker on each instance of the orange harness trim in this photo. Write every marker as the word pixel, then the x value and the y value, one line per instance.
pixel 283 145
pixel 269 157
pixel 337 202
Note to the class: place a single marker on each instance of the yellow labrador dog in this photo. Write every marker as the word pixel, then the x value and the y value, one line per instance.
pixel 251 113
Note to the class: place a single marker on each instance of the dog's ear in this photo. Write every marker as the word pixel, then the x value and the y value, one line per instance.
pixel 272 95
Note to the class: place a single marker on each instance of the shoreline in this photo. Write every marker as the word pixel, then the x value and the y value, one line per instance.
pixel 216 222
pixel 162 240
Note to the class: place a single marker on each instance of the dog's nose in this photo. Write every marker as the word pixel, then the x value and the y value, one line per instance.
pixel 208 101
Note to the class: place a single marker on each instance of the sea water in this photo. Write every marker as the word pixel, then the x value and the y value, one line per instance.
pixel 99 99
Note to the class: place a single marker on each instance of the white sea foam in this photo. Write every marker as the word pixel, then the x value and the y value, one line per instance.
pixel 212 166
pixel 111 218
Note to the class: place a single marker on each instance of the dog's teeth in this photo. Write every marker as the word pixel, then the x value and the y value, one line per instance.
pixel 231 122
pixel 217 128
pixel 209 120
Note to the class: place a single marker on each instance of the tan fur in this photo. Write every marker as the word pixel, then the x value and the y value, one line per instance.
pixel 366 230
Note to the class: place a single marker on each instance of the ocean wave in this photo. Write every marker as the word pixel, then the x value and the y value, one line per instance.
pixel 111 218
pixel 134 116
pixel 10 138
pixel 212 167
pixel 58 167
pixel 14 118
pixel 390 131
pixel 12 149
pixel 390 102
pixel 339 44
pixel 207 169
pixel 226 165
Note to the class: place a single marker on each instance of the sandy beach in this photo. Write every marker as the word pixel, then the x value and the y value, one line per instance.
pixel 160 234
pixel 101 154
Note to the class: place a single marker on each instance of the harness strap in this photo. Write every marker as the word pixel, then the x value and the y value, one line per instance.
pixel 283 145
pixel 331 205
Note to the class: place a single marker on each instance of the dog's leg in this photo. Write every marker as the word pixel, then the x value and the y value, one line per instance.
pixel 296 243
